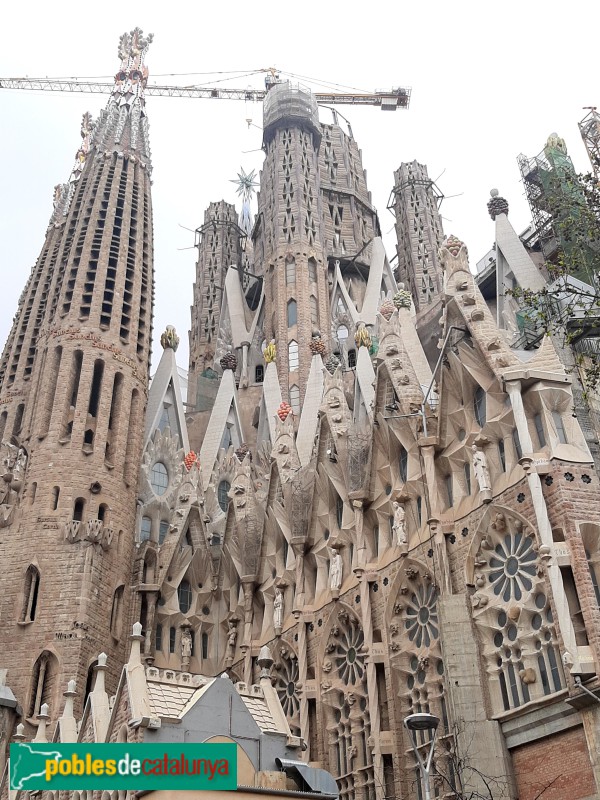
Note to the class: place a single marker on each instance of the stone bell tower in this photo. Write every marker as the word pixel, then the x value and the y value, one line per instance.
pixel 73 389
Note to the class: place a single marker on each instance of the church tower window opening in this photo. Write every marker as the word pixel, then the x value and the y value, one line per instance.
pixel 31 591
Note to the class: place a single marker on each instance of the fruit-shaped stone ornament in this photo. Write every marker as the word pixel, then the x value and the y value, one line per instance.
pixel 284 411
pixel 386 309
pixel 191 459
pixel 270 352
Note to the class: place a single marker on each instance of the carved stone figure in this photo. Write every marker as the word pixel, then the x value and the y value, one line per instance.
pixel 398 526
pixel 481 470
pixel 231 640
pixel 186 646
pixel 278 604
pixel 335 570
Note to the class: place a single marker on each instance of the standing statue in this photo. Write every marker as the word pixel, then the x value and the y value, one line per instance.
pixel 231 640
pixel 398 527
pixel 335 570
pixel 278 605
pixel 186 646
pixel 481 469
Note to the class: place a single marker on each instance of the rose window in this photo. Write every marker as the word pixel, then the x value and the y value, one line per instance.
pixel 287 679
pixel 421 616
pixel 513 566
pixel 349 659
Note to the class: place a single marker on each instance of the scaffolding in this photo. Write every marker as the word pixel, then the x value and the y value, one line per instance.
pixel 534 173
pixel 589 128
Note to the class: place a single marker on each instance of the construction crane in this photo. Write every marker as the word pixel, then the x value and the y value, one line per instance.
pixel 387 100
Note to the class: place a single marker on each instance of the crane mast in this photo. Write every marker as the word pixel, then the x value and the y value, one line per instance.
pixel 387 100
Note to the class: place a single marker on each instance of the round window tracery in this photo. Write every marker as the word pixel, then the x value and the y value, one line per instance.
pixel 287 679
pixel 421 616
pixel 513 566
pixel 349 659
pixel 159 478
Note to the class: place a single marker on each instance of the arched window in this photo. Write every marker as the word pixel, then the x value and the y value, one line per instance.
pixel 145 529
pixel 205 645
pixel 339 510
pixel 103 513
pixel 539 429
pixel 78 509
pixel 292 313
pixel 352 359
pixel 479 406
pixel 290 273
pixel 159 478
pixel 502 454
pixel 295 399
pixel 259 373
pixel 314 311
pixel 172 639
pixel 184 596
pixel 517 444
pixel 116 614
pixel 43 683
pixel 293 356
pixel 403 464
pixel 55 496
pixel 31 590
pixel 158 638
pixel 560 428
pixel 467 469
pixel 162 531
pixel 223 494
pixel 449 490
pixel 420 509
pixel 312 270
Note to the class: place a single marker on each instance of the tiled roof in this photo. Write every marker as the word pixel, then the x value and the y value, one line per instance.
pixel 167 699
pixel 260 711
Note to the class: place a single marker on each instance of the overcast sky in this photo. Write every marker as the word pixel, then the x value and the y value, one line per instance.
pixel 489 81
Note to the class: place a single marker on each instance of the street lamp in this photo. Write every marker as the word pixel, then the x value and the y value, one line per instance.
pixel 423 722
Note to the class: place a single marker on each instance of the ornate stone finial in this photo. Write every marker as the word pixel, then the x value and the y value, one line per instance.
pixel 229 360
pixel 387 308
pixel 133 46
pixel 332 363
pixel 402 298
pixel 270 352
pixel 453 245
pixel 242 452
pixel 43 717
pixel 69 696
pixel 136 640
pixel 362 337
pixel 170 339
pixel 317 345
pixel 102 658
pixel 265 661
pixel 555 142
pixel 20 734
pixel 190 460
pixel 284 411
pixel 497 205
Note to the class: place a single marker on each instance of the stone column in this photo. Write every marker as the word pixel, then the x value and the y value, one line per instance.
pixel 372 693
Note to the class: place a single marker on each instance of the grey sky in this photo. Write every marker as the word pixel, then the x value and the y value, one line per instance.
pixel 489 80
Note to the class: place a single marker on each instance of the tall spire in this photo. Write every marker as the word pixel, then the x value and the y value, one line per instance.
pixel 73 385
pixel 123 126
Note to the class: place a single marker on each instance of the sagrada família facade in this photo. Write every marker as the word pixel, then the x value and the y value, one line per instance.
pixel 364 476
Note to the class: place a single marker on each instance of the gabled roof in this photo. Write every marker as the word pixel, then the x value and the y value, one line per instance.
pixel 165 396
